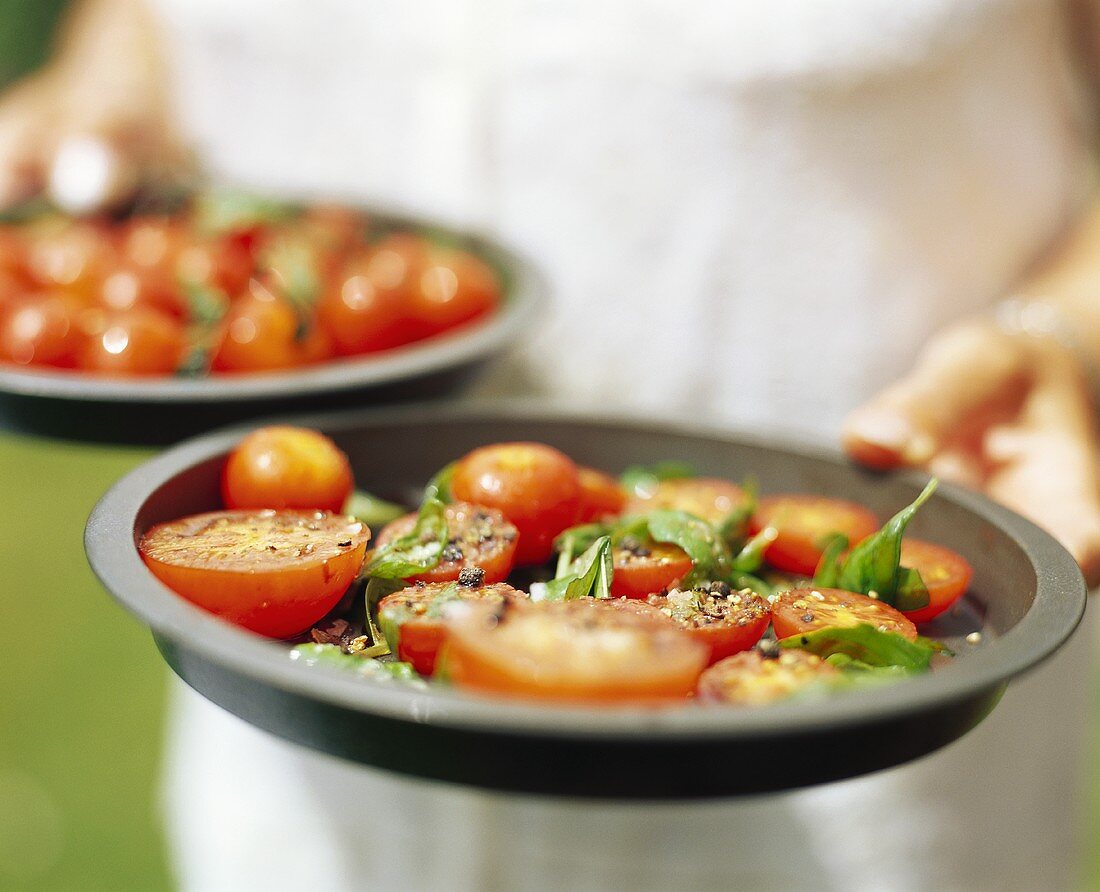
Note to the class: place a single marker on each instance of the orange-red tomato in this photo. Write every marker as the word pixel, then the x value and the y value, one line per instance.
pixel 72 255
pixel 453 287
pixel 601 495
pixel 127 287
pixel 946 575
pixel 641 569
pixel 226 262
pixel 414 619
pixel 286 467
pixel 752 679
pixel 804 610
pixel 535 486
pixel 585 650
pixel 134 342
pixel 709 498
pixel 364 308
pixel 476 537
pixel 804 524
pixel 727 622
pixel 263 332
pixel 273 572
pixel 42 330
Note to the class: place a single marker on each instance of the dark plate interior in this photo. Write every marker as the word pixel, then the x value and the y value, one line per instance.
pixel 1027 597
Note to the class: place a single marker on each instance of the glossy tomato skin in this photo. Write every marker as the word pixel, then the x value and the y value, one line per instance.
pixel 453 287
pixel 709 498
pixel 535 486
pixel 727 622
pixel 71 255
pixel 42 330
pixel 365 306
pixel 640 569
pixel 581 651
pixel 263 332
pixel 274 573
pixel 286 467
pixel 752 679
pixel 134 343
pixel 128 287
pixel 477 537
pixel 806 610
pixel 803 524
pixel 416 617
pixel 946 575
pixel 601 496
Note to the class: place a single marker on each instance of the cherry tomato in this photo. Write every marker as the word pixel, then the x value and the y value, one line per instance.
pixel 476 537
pixel 226 262
pixel 752 679
pixel 286 467
pixel 535 486
pixel 946 575
pixel 364 308
pixel 601 495
pixel 261 332
pixel 75 256
pixel 804 610
pixel 414 619
pixel 134 343
pixel 42 330
pixel 708 498
pixel 641 568
pixel 583 651
pixel 804 524
pixel 727 622
pixel 127 287
pixel 453 287
pixel 273 572
pixel 153 245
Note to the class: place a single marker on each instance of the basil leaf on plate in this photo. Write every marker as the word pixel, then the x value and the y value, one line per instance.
pixel 571 542
pixel 832 556
pixel 588 575
pixel 371 510
pixel 866 644
pixel 221 210
pixel 418 550
pixel 332 655
pixel 697 537
pixel 439 487
pixel 751 556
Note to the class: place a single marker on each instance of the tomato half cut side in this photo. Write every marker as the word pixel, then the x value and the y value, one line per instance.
pixel 946 575
pixel 709 498
pixel 804 525
pixel 640 569
pixel 273 572
pixel 753 679
pixel 476 537
pixel 726 621
pixel 584 651
pixel 413 619
pixel 803 610
pixel 601 496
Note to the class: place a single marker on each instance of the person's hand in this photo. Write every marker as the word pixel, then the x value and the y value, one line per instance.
pixel 93 125
pixel 1003 412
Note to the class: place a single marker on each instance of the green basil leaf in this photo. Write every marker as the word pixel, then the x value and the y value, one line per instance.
pixel 751 556
pixel 755 583
pixel 866 644
pixel 697 537
pixel 331 655
pixel 587 576
pixel 828 568
pixel 418 550
pixel 222 210
pixel 371 510
pixel 571 542
pixel 911 594
pixel 642 481
pixel 439 487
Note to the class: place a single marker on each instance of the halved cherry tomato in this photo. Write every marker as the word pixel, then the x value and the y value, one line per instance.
pixel 709 498
pixel 286 467
pixel 414 619
pixel 804 524
pixel 42 330
pixel 476 537
pixel 804 610
pixel 946 575
pixel 583 651
pixel 752 679
pixel 601 495
pixel 727 622
pixel 641 569
pixel 453 288
pixel 273 572
pixel 135 342
pixel 535 486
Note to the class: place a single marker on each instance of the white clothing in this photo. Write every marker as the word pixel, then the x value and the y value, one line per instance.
pixel 755 212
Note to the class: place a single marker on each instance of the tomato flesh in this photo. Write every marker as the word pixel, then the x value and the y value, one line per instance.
pixel 708 498
pixel 803 610
pixel 752 679
pixel 804 524
pixel 727 622
pixel 272 572
pixel 601 496
pixel 946 575
pixel 640 569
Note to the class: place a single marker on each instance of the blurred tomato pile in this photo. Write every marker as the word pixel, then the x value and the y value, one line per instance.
pixel 226 283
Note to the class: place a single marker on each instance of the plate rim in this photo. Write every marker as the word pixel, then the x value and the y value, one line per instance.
pixel 110 545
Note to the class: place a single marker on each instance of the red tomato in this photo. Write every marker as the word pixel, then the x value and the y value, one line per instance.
pixel 804 524
pixel 708 498
pixel 75 256
pixel 727 622
pixel 476 537
pixel 946 575
pixel 365 308
pixel 601 495
pixel 273 572
pixel 134 343
pixel 262 332
pixel 804 610
pixel 153 245
pixel 42 330
pixel 127 287
pixel 226 262
pixel 286 467
pixel 453 287
pixel 641 569
pixel 414 619
pixel 752 679
pixel 535 486
pixel 581 651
